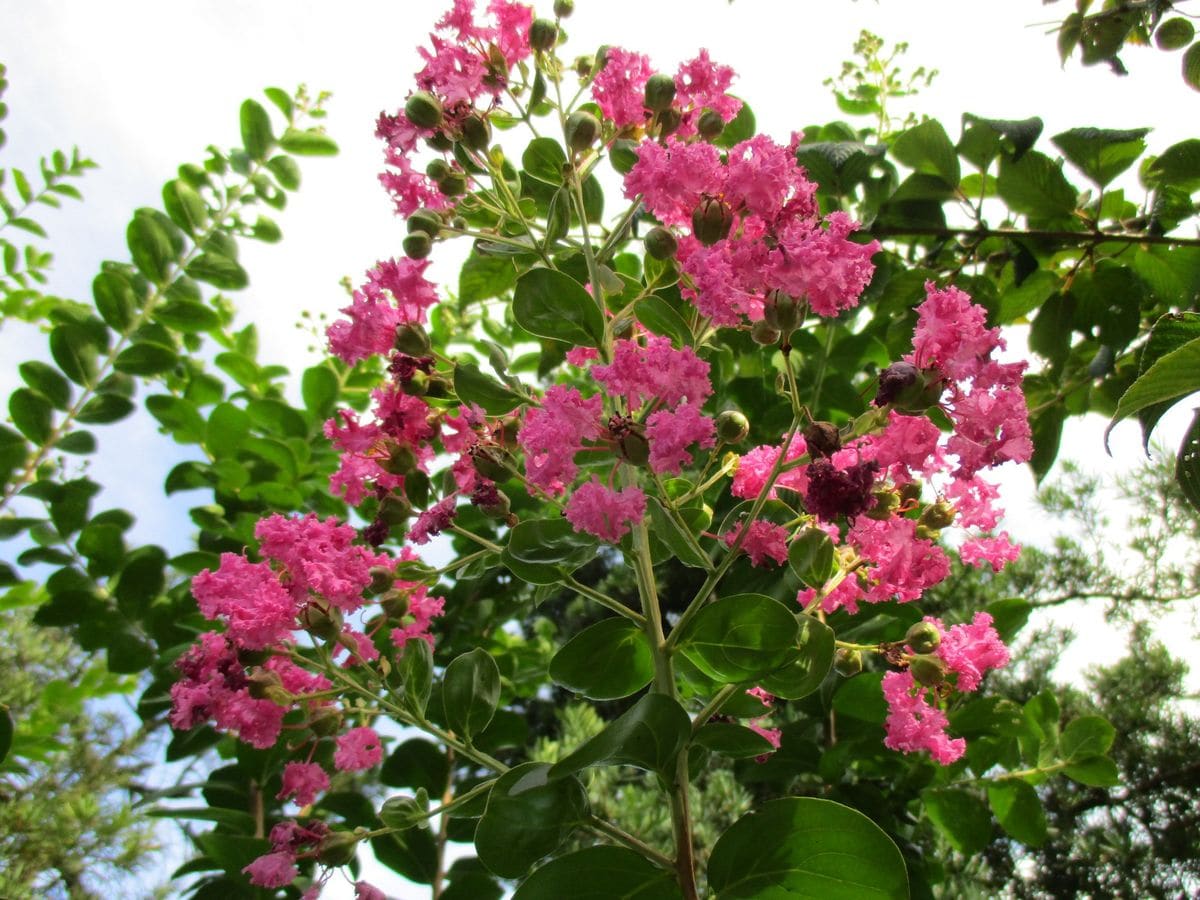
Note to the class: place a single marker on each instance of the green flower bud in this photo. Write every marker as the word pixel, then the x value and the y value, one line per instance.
pixel 660 243
pixel 710 125
pixel 938 515
pixel 440 141
pixel 923 637
pixel 887 501
pixel 634 448
pixel 437 387
pixel 424 110
pixel 927 670
pixel 847 662
pixel 438 169
pixel 711 221
pixel 417 245
pixel 394 510
pixel 488 464
pixel 668 121
pixel 395 604
pixel 476 132
pixel 782 311
pixel 411 340
pixel 499 508
pixel 660 92
pixel 321 621
pixel 382 580
pixel 402 812
pixel 564 8
pixel 543 35
pixel 764 334
pixel 581 130
pixel 400 460
pixel 325 721
pixel 425 220
pixel 732 427
pixel 910 492
pixel 338 848
pixel 263 684
pixel 454 184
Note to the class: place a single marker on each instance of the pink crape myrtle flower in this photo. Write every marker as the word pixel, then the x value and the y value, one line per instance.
pixel 396 293
pixel 365 891
pixel 701 84
pixel 257 610
pixel 619 89
pixel 971 650
pixel 913 724
pixel 273 870
pixel 554 432
pixel 358 749
pixel 603 512
pixel 422 610
pixel 656 371
pixel 764 540
pixel 302 782
pixel 671 432
pixel 755 467
pixel 996 552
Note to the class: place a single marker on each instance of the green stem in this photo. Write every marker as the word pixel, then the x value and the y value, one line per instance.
pixel 604 600
pixel 720 698
pixel 606 828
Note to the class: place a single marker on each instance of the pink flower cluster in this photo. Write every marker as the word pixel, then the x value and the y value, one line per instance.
pixel 776 240
pixel 913 723
pixel 395 293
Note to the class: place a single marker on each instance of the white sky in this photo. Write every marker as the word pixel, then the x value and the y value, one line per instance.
pixel 144 86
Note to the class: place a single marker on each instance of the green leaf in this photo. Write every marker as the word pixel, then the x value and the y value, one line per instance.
pixel 79 442
pixel 811 557
pixel 808 666
pixel 319 387
pixel 1020 300
pixel 104 409
pixel 528 816
pixel 1187 463
pixel 1172 376
pixel 128 654
pixel 1179 164
pixel 185 206
pixel 6 733
pixel 286 172
pixel 180 417
pixel 218 270
pixel 187 316
pixel 47 381
pixel 600 873
pixel 648 735
pixel 552 305
pixel 413 854
pixel 982 138
pixel 416 764
pixel 309 142
pixel 838 166
pixel 1035 186
pixel 551 542
pixel 1086 736
pixel 741 128
pixel 483 277
pixel 145 359
pixel 32 414
pixel 473 386
pixel 1191 66
pixel 228 427
pixel 471 692
pixel 416 671
pixel 861 697
pixel 1170 332
pixel 1019 811
pixel 806 847
pixel 734 741
pixel 1174 34
pixel 661 318
pixel 545 160
pixel 927 149
pixel 665 529
pixel 256 130
pixel 142 578
pixel 740 638
pixel 1094 771
pixel 103 546
pixel 961 817
pixel 69 507
pixel 1102 154
pixel 75 349
pixel 115 299
pixel 155 244
pixel 605 661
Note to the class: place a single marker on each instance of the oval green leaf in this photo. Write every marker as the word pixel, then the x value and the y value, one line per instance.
pixel 474 386
pixel 471 692
pixel 813 660
pixel 648 735
pixel 552 305
pixel 528 816
pixel 600 873
pixel 605 661
pixel 741 638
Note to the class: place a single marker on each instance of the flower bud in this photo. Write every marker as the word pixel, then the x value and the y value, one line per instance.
pixel 400 460
pixel 764 334
pixel 338 848
pixel 847 662
pixel 927 670
pixel 437 387
pixel 488 463
pixel 423 109
pixel 823 439
pixel 660 92
pixel 660 243
pixel 411 340
pixel 476 132
pixel 938 515
pixel 497 505
pixel 323 622
pixel 325 721
pixel 711 221
pixel 402 812
pixel 395 604
pixel 669 121
pixel 564 8
pixel 710 125
pixel 263 684
pixel 923 637
pixel 887 501
pixel 543 35
pixel 394 510
pixel 427 221
pixel 907 388
pixel 634 448
pixel 910 492
pixel 438 169
pixel 382 580
pixel 440 141
pixel 782 311
pixel 453 184
pixel 581 130
pixel 732 426
pixel 417 245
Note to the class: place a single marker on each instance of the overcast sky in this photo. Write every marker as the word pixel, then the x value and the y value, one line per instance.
pixel 144 86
